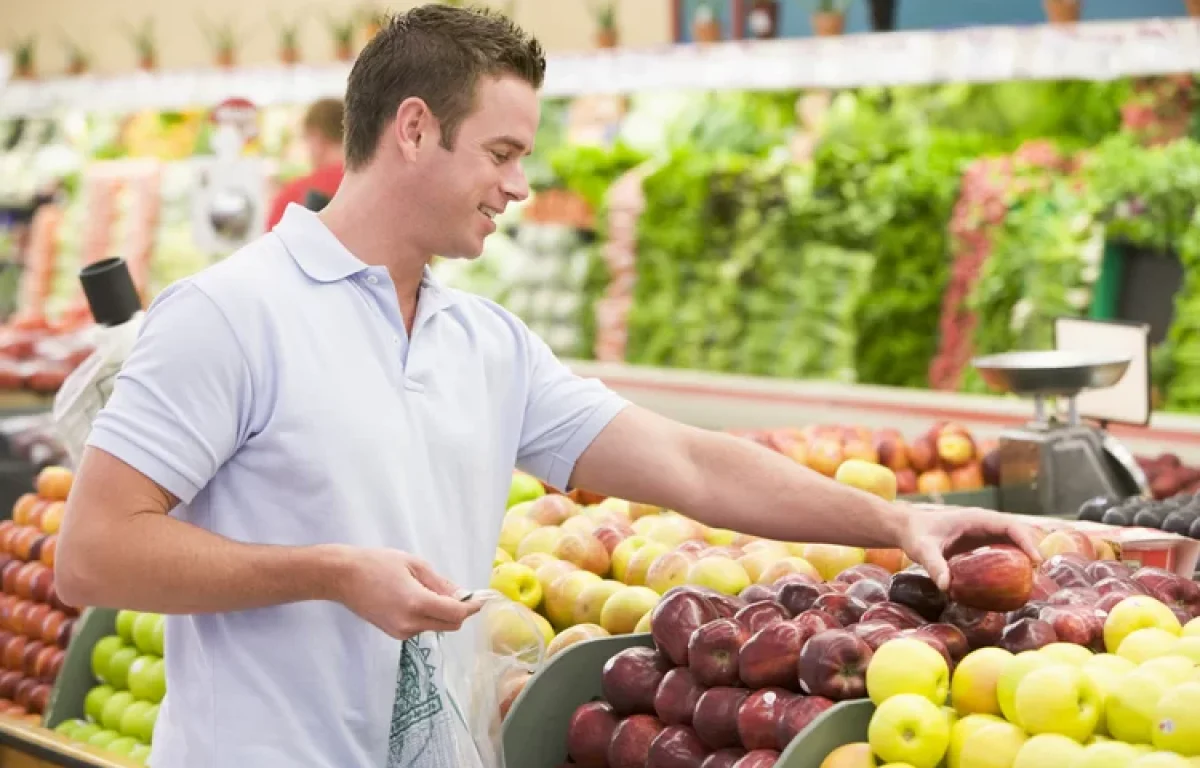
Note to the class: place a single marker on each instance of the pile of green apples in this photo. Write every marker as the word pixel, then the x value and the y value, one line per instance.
pixel 121 709
pixel 1134 705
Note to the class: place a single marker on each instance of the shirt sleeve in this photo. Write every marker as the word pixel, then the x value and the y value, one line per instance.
pixel 181 404
pixel 564 413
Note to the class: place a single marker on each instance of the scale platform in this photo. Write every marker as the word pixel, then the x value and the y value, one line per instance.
pixel 1054 463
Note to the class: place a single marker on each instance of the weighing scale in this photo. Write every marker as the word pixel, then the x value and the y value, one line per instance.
pixel 1054 463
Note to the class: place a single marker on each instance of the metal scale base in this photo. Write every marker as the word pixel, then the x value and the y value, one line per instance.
pixel 1052 465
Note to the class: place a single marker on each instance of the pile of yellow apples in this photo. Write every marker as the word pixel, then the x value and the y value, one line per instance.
pixel 1136 705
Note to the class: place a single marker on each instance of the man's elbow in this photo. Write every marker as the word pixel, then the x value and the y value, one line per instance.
pixel 77 579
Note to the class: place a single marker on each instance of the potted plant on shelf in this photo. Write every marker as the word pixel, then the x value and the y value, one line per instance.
pixel 883 15
pixel 223 39
pixel 289 42
pixel 605 14
pixel 763 19
pixel 145 45
pixel 1062 11
pixel 706 27
pixel 343 38
pixel 77 58
pixel 24 54
pixel 829 18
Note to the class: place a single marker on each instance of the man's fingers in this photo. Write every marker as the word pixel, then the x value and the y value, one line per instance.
pixel 935 564
pixel 447 609
pixel 1023 537
pixel 430 578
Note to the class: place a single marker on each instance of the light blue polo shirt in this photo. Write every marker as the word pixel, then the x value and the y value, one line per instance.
pixel 278 395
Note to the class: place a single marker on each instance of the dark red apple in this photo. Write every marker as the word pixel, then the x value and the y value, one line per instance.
pixel 589 733
pixel 951 636
pixel 713 652
pixel 757 593
pixel 759 715
pixel 758 616
pixel 839 587
pixel 769 657
pixel 794 578
pixel 1123 584
pixel 899 616
pixel 919 592
pixel 1098 570
pixel 982 628
pixel 875 633
pixel 1108 601
pixel 723 758
pixel 833 664
pixel 992 578
pixel 798 715
pixel 814 621
pixel 630 745
pixel 672 622
pixel 715 719
pixel 798 597
pixel 630 680
pixel 862 571
pixel 1170 588
pixel 1075 596
pixel 677 746
pixel 727 605
pixel 1043 586
pixel 1067 570
pixel 1076 624
pixel 758 758
pixel 868 591
pixel 676 698
pixel 1027 635
pixel 844 608
pixel 1031 610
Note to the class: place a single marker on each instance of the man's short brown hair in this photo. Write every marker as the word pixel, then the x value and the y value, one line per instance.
pixel 437 53
pixel 325 118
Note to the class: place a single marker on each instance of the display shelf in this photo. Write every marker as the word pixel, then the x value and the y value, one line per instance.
pixel 1091 50
pixel 76 679
pixel 843 723
pixel 30 746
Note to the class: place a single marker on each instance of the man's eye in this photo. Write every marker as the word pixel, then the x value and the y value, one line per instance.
pixel 500 157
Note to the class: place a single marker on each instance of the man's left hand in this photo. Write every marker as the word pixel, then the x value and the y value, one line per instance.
pixel 934 535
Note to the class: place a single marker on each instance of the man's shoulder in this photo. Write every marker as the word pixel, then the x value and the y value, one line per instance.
pixel 489 317
pixel 251 276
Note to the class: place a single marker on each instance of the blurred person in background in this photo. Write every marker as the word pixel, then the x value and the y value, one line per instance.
pixel 323 142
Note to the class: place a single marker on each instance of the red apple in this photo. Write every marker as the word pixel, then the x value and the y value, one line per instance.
pixel 1108 601
pixel 589 733
pixel 672 622
pixel 758 758
pixel 899 616
pixel 631 740
pixel 610 535
pixel 1099 570
pixel 863 571
pixel 758 616
pixel 8 683
pixel 1124 585
pixel 1170 588
pixel 630 680
pixel 993 578
pixel 677 746
pixel 933 641
pixel 759 715
pixel 814 621
pixel 844 608
pixel 919 592
pixel 922 454
pixel 715 719
pixel 833 664
pixel 676 698
pixel 892 452
pixel 875 633
pixel 713 652
pixel 1074 596
pixel 723 758
pixel 1031 610
pixel 953 638
pixel 982 628
pixel 798 715
pixel 757 593
pixel 1076 624
pixel 798 597
pixel 1043 586
pixel 769 657
pixel 1027 635
pixel 868 591
pixel 1067 570
pixel 906 482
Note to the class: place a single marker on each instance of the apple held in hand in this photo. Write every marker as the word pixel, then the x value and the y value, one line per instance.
pixel 907 665
pixel 833 664
pixel 909 729
pixel 994 578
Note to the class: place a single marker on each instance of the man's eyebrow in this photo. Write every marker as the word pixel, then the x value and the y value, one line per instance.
pixel 516 144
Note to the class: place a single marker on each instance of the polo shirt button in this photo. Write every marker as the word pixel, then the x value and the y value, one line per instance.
pixel 373 280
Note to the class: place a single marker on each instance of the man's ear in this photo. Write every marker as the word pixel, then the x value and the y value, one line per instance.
pixel 412 126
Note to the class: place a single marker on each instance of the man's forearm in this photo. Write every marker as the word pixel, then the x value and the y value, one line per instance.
pixel 152 562
pixel 750 489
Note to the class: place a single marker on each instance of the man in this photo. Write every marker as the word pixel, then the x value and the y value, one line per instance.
pixel 323 141
pixel 308 452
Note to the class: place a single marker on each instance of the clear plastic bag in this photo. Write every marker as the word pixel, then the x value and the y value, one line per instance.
pixel 484 667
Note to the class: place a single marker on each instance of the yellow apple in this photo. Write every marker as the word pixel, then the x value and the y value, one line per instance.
pixel 832 559
pixel 1105 754
pixel 1148 643
pixel 626 608
pixel 501 557
pixel 1048 750
pixel 973 687
pixel 754 563
pixel 1160 760
pixel 781 568
pixel 959 733
pixel 673 530
pixel 992 745
pixel 1177 721
pixel 854 755
pixel 1058 698
pixel 720 573
pixel 776 549
pixel 572 635
pixel 867 476
pixel 641 560
pixel 579 524
pixel 1106 671
pixel 590 603
pixel 669 570
pixel 516 631
pixel 517 583
pixel 513 531
pixel 1068 653
pixel 584 551
pixel 1189 646
pixel 1014 671
pixel 907 665
pixel 615 506
pixel 564 592
pixel 1173 667
pixel 720 537
pixel 1192 628
pixel 909 728
pixel 643 525
pixel 622 553
pixel 543 539
pixel 537 560
pixel 643 625
pixel 1129 711
pixel 1134 613
pixel 549 572
pixel 638 511
pixel 552 509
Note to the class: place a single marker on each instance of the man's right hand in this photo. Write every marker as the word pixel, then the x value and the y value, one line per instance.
pixel 401 594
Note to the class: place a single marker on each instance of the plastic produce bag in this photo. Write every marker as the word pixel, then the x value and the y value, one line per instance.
pixel 482 666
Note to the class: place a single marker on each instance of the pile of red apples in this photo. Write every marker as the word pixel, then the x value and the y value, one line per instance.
pixel 731 681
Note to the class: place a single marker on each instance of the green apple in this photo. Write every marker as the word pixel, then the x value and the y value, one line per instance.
pixel 1046 750
pixel 131 718
pixel 148 679
pixel 1174 667
pixel 1160 760
pixel 518 583
pixel 122 746
pixel 1068 653
pixel 1105 754
pixel 102 653
pixel 959 733
pixel 513 531
pixel 69 728
pixel 103 738
pixel 1130 708
pixel 909 728
pixel 1148 643
pixel 1105 671
pixel 144 627
pixel 1059 698
pixel 1014 671
pixel 158 636
pixel 140 754
pixel 93 703
pixel 995 745
pixel 110 716
pixel 907 665
pixel 1189 646
pixel 1110 662
pixel 524 488
pixel 1134 613
pixel 1177 720
pixel 973 686
pixel 118 666
pixel 125 621
pixel 86 731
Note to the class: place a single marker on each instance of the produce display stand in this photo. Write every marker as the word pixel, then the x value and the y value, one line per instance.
pixel 844 723
pixel 30 746
pixel 76 679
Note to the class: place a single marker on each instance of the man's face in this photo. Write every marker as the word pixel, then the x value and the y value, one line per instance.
pixel 464 189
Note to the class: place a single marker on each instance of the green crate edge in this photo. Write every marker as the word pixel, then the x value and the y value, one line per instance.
pixel 984 498
pixel 75 678
pixel 535 732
